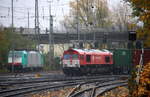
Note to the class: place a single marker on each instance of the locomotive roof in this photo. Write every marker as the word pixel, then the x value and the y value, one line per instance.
pixel 17 51
pixel 95 51
pixel 23 51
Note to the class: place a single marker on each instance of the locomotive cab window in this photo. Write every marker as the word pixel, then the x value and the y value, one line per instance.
pixel 107 59
pixel 82 57
pixel 67 56
pixel 88 58
pixel 74 56
pixel 25 56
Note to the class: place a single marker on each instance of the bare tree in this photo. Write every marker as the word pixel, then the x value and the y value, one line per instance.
pixel 121 16
pixel 93 13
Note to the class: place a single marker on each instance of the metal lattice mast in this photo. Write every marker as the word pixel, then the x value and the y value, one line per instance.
pixel 37 30
pixel 28 25
pixel 51 45
pixel 12 9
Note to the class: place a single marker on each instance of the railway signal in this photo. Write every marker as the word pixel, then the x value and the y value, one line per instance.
pixel 138 45
pixel 132 36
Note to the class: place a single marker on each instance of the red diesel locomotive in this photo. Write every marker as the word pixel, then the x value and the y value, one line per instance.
pixel 79 61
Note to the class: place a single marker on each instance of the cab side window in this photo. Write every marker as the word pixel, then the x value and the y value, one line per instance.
pixel 25 56
pixel 88 58
pixel 107 59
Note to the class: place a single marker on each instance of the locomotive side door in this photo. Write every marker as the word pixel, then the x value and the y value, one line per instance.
pixel 88 59
pixel 82 61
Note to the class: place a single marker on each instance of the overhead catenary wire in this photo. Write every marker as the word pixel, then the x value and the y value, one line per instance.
pixel 20 12
pixel 66 27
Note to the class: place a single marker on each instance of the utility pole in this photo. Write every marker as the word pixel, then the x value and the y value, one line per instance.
pixel 78 34
pixel 28 24
pixel 28 21
pixel 12 28
pixel 93 23
pixel 51 46
pixel 12 10
pixel 28 37
pixel 37 30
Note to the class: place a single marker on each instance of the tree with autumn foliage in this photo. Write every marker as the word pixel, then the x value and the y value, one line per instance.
pixel 141 9
pixel 142 89
pixel 4 45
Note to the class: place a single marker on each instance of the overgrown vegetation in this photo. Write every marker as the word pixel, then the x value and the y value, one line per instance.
pixel 4 47
pixel 9 41
pixel 54 65
pixel 141 89
pixel 141 9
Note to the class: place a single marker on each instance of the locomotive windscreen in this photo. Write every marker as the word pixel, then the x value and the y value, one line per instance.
pixel 70 56
pixel 74 56
pixel 67 56
pixel 17 57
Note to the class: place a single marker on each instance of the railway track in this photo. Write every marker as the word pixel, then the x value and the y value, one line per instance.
pixel 33 88
pixel 28 86
pixel 51 79
pixel 97 89
pixel 27 76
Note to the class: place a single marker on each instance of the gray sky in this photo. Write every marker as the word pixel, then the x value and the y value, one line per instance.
pixel 21 8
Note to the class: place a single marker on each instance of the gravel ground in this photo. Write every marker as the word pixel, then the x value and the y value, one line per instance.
pixel 57 93
pixel 118 92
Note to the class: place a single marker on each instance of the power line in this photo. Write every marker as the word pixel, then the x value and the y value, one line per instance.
pixel 4 7
pixel 20 12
